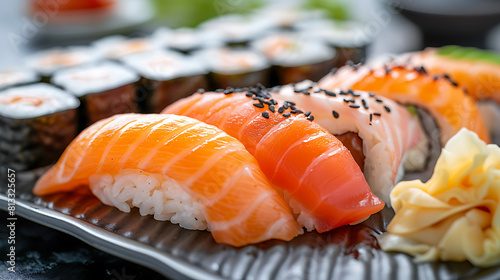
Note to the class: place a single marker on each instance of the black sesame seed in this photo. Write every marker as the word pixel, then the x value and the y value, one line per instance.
pixel 387 109
pixel 334 70
pixel 342 92
pixel 286 115
pixel 307 113
pixel 271 108
pixel 249 94
pixel 364 104
pixel 335 114
pixel 330 93
pixel 219 90
pixel 200 90
pixel 228 91
pixel 290 102
pixel 435 78
pixel 371 117
pixel 238 90
pixel 350 91
pixel 421 69
pixel 310 118
pixel 297 90
pixel 281 110
pixel 274 102
pixel 379 100
pixel 371 94
pixel 265 115
pixel 306 92
pixel 258 105
pixel 377 114
pixel 354 106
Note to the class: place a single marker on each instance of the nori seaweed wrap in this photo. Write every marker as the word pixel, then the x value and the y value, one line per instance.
pixel 104 89
pixel 235 67
pixel 294 58
pixel 37 122
pixel 166 76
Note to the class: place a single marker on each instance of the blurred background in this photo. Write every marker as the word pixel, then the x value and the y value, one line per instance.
pixel 393 26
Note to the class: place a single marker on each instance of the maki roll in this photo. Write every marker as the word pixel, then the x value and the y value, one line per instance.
pixel 238 30
pixel 187 40
pixel 117 46
pixel 476 70
pixel 48 61
pixel 37 122
pixel 295 58
pixel 166 76
pixel 286 15
pixel 347 37
pixel 443 107
pixel 104 89
pixel 17 77
pixel 235 67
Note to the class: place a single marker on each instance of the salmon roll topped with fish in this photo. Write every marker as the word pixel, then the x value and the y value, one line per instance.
pixel 37 122
pixel 442 106
pixel 178 169
pixel 448 104
pixel 317 172
pixel 476 70
pixel 383 136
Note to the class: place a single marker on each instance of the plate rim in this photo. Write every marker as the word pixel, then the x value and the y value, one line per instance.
pixel 116 245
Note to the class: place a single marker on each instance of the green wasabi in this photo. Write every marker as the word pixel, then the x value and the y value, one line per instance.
pixel 469 53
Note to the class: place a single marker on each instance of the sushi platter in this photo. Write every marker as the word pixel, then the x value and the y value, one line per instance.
pixel 267 152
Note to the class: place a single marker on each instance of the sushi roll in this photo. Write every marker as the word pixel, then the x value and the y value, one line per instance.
pixel 17 77
pixel 174 168
pixel 47 62
pixel 476 70
pixel 104 89
pixel 347 37
pixel 235 67
pixel 117 46
pixel 443 108
pixel 187 40
pixel 285 15
pixel 318 175
pixel 238 30
pixel 295 58
pixel 380 141
pixel 166 77
pixel 37 122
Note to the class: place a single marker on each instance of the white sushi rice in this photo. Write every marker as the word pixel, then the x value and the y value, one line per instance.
pixel 52 100
pixel 50 60
pixel 232 60
pixel 94 78
pixel 164 65
pixel 153 194
pixel 118 46
pixel 293 49
pixel 11 77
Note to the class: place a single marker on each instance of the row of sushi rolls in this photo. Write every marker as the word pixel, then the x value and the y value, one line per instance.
pixel 254 128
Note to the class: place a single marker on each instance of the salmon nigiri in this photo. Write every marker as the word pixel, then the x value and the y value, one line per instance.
pixel 316 170
pixel 447 103
pixel 380 140
pixel 178 169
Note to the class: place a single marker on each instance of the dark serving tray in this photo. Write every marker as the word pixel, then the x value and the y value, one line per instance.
pixel 349 252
